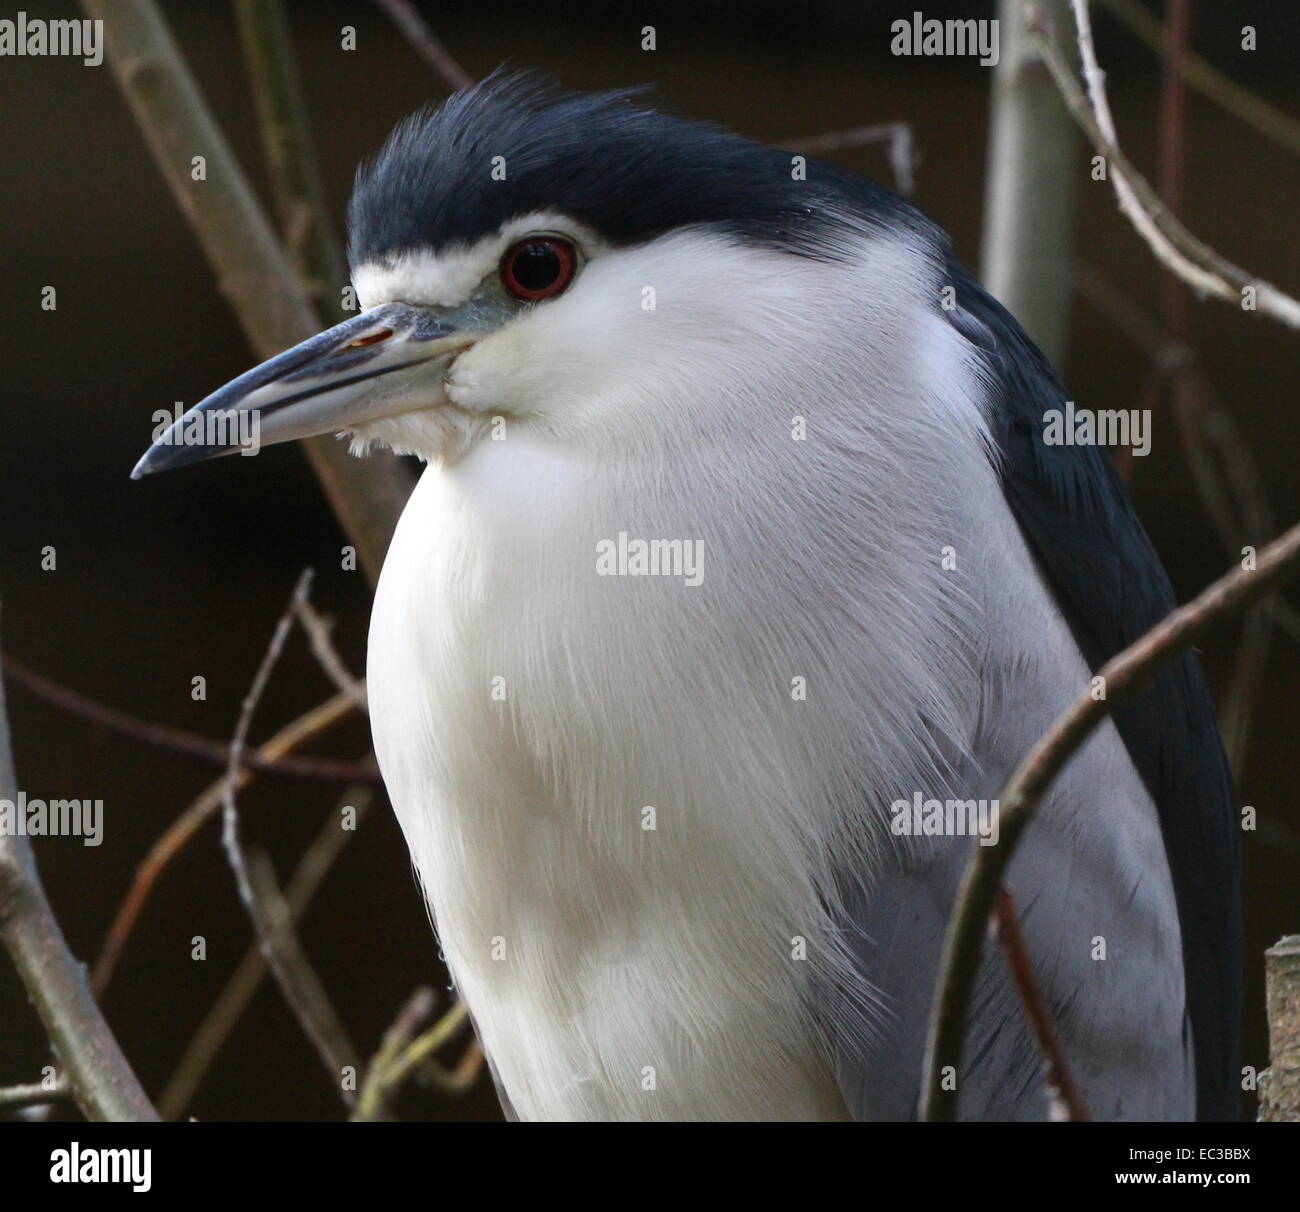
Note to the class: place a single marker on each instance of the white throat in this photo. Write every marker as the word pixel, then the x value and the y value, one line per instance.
pixel 622 792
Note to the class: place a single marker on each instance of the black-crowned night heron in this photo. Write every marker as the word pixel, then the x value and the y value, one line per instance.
pixel 740 559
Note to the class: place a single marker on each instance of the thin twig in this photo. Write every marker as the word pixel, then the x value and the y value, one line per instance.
pixel 1172 152
pixel 374 1101
pixel 329 770
pixel 1250 108
pixel 226 1011
pixel 1063 1095
pixel 37 1094
pixel 1205 270
pixel 1234 503
pixel 1121 675
pixel 367 495
pixel 902 147
pixel 384 1080
pixel 1228 482
pixel 291 164
pixel 271 919
pixel 98 1075
pixel 1184 384
pixel 1241 700
pixel 1233 497
pixel 1129 318
pixel 1236 494
pixel 318 629
pixel 312 1006
pixel 416 30
pixel 456 1080
pixel 185 827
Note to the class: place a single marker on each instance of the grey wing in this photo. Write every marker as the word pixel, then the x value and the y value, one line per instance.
pixel 1127 882
pixel 1100 923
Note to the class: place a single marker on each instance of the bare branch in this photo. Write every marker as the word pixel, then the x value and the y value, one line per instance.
pixel 459 1078
pixel 1063 1095
pixel 1233 496
pixel 37 1094
pixel 229 1007
pixel 391 1068
pixel 1227 479
pixel 426 43
pixel 286 141
pixel 367 495
pixel 297 977
pixel 1172 171
pixel 1174 246
pixel 165 736
pixel 98 1075
pixel 1226 474
pixel 182 831
pixel 1248 107
pixel 318 629
pixel 261 895
pixel 902 148
pixel 374 1100
pixel 1122 674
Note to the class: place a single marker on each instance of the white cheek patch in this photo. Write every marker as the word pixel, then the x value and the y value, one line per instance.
pixel 447 278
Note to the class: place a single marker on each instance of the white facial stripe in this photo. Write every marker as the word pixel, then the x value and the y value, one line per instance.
pixel 449 277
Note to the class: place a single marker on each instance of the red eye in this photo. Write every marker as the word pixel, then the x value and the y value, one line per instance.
pixel 539 268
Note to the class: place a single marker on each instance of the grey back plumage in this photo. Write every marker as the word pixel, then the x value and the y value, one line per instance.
pixel 1144 1048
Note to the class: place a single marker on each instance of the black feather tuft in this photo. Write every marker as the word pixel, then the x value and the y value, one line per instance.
pixel 629 172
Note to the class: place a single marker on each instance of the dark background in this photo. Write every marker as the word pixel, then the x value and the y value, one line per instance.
pixel 185 575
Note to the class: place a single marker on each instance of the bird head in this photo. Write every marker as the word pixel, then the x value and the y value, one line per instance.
pixel 580 265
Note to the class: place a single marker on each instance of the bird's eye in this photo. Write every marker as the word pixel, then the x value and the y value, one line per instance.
pixel 538 268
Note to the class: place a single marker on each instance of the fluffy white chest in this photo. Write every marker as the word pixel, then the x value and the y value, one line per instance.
pixel 633 799
pixel 597 788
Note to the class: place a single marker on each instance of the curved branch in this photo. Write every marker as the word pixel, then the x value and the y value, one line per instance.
pixel 1205 270
pixel 976 897
pixel 258 889
pixel 183 829
pixel 233 1000
pixel 399 1057
pixel 1063 1095
pixel 98 1075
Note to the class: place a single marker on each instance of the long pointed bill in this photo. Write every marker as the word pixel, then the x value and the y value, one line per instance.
pixel 387 361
